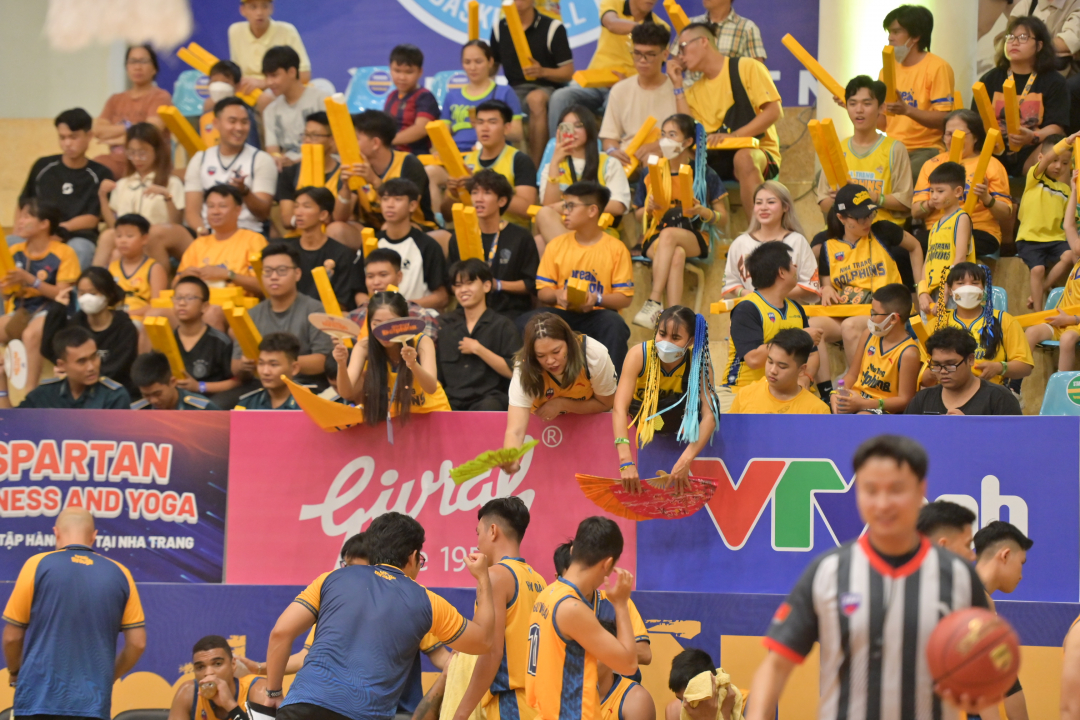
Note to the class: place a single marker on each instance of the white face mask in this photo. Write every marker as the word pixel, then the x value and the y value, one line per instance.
pixel 92 304
pixel 669 352
pixel 219 90
pixel 900 52
pixel 968 297
pixel 879 329
pixel 670 148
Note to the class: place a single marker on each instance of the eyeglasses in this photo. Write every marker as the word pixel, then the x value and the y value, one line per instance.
pixel 568 207
pixel 647 57
pixel 185 299
pixel 137 154
pixel 282 271
pixel 682 45
pixel 947 368
pixel 316 136
pixel 1018 39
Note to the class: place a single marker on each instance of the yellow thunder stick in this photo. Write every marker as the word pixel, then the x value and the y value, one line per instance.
pixel 163 340
pixel 828 82
pixel 992 136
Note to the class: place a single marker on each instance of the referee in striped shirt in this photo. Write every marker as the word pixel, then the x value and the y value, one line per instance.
pixel 872 604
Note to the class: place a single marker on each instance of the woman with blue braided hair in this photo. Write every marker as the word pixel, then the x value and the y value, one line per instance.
pixel 1003 351
pixel 681 232
pixel 667 386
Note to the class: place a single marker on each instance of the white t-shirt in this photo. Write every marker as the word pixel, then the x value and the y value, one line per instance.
pixel 614 179
pixel 601 375
pixel 737 275
pixel 284 123
pixel 130 196
pixel 629 105
pixel 209 168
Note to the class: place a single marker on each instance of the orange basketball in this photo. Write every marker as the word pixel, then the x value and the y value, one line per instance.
pixel 974 652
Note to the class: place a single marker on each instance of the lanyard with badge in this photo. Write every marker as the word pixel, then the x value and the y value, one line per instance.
pixel 495 244
pixel 1027 87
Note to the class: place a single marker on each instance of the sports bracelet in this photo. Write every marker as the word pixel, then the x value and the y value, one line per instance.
pixel 622 441
pixel 626 465
pixel 678 91
pixel 202 387
pixel 498 285
pixel 3 393
pixel 881 405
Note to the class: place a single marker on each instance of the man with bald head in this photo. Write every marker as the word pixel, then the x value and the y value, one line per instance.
pixel 61 623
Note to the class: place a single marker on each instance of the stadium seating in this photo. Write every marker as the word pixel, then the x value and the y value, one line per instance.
pixel 1061 398
pixel 445 81
pixel 1051 303
pixel 189 93
pixel 368 88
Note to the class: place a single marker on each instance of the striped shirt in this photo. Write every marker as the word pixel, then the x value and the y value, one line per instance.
pixel 873 619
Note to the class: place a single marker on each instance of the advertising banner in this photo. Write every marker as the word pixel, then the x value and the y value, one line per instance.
pixel 296 493
pixel 155 482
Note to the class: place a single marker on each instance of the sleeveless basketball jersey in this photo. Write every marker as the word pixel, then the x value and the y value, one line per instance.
pixel 873 170
pixel 672 385
pixel 941 250
pixel 561 680
pixel 566 176
pixel 737 373
pixel 580 389
pixel 879 374
pixel 136 286
pixel 421 401
pixel 868 265
pixel 215 171
pixel 975 328
pixel 203 709
pixel 1071 296
pixel 527 587
pixel 394 171
pixel 504 165
pixel 611 705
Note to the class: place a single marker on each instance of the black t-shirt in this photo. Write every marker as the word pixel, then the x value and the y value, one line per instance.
pixel 118 345
pixel 467 379
pixel 210 359
pixel 347 277
pixel 516 258
pixel 413 169
pixel 74 192
pixel 990 399
pixel 1047 103
pixel 423 265
pixel 524 169
pixel 548 42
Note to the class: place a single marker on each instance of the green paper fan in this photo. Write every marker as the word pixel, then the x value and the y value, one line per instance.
pixel 487 460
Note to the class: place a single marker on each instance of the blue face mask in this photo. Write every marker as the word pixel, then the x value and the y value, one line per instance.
pixel 669 352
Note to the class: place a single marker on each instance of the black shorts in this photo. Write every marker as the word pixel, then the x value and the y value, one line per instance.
pixel 723 164
pixel 703 245
pixel 307 711
pixel 1045 254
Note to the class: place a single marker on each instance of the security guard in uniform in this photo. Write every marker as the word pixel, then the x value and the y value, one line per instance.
pixel 83 387
pixel 152 374
pixel 279 355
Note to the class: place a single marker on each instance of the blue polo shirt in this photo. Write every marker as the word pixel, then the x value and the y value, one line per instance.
pixel 73 603
pixel 372 620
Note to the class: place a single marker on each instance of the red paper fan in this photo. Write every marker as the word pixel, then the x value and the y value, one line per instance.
pixel 652 503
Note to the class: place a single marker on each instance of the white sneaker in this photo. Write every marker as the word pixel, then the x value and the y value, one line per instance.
pixel 646 316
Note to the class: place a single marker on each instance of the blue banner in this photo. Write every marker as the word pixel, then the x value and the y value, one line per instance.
pixel 155 482
pixel 785 495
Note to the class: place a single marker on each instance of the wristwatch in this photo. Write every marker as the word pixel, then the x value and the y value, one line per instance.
pixel 232 276
pixel 274 693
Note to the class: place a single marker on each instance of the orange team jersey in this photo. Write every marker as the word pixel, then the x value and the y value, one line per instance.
pixel 580 389
pixel 605 610
pixel 926 85
pixel 612 705
pixel 997 182
pixel 233 254
pixel 605 264
pixel 879 374
pixel 203 709
pixel 561 681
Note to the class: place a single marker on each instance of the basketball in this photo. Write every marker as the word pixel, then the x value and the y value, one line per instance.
pixel 974 652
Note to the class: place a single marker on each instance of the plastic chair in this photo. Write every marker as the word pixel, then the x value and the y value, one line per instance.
pixel 368 88
pixel 190 92
pixel 1062 396
pixel 444 82
pixel 1052 302
pixel 1001 298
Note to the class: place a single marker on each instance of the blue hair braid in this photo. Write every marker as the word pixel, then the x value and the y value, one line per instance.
pixel 990 337
pixel 700 373
pixel 701 149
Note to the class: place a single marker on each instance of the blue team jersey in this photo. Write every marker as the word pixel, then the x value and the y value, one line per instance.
pixel 456 106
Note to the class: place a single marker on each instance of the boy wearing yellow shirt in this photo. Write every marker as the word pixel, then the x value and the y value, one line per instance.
pixel 138 275
pixel 950 239
pixel 779 392
pixel 590 254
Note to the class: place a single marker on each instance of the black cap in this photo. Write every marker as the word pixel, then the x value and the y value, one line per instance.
pixel 854 202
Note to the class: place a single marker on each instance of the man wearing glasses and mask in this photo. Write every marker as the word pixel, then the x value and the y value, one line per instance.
pixel 959 392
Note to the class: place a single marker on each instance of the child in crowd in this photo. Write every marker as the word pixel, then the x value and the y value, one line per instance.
pixel 887 376
pixel 140 277
pixel 680 232
pixel 412 105
pixel 312 210
pixel 774 218
pixel 422 259
pixel 950 237
pixel 206 351
pixel 224 79
pixel 590 254
pixel 382 273
pixel 279 354
pixel 1040 241
pixel 477 345
pixel 249 41
pixel 780 391
pixel 390 378
pixel 654 389
pixel 153 376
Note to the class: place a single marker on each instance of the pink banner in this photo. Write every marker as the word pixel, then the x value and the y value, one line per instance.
pixel 297 493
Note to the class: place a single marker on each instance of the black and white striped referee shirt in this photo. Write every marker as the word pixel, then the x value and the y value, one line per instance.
pixel 873 620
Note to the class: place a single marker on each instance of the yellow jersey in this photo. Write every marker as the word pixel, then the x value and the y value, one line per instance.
pixel 941 251
pixel 873 170
pixel 754 322
pixel 879 372
pixel 755 399
pixel 561 680
pixel 1013 344
pixel 611 705
pixel 613 51
pixel 997 182
pixel 422 402
pixel 136 286
pixel 1042 208
pixel 672 385
pixel 233 253
pixel 528 585
pixel 604 610
pixel 866 266
pixel 203 709
pixel 605 264
pixel 504 165
pixel 580 389
pixel 394 171
pixel 1071 295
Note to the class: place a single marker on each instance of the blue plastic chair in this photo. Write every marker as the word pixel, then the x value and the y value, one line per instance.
pixel 1001 298
pixel 1052 302
pixel 446 81
pixel 190 92
pixel 368 88
pixel 1062 395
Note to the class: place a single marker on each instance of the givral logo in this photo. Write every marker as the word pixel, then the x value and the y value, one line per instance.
pixel 799 489
pixel 450 18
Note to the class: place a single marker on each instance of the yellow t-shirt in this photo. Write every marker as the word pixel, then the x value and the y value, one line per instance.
pixel 247 51
pixel 605 264
pixel 136 286
pixel 941 251
pixel 613 51
pixel 710 99
pixel 927 85
pixel 1042 208
pixel 233 254
pixel 755 399
pixel 997 181
pixel 1013 345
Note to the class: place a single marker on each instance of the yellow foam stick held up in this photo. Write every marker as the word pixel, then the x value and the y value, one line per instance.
pixel 888 73
pixel 444 144
pixel 474 20
pixel 986 112
pixel 678 16
pixel 247 335
pixel 163 340
pixel 348 147
pixel 181 129
pixel 660 184
pixel 992 137
pixel 835 151
pixel 1012 111
pixel 956 146
pixel 312 166
pixel 641 137
pixel 735 143
pixel 597 77
pixel 828 82
pixel 818 140
pixel 203 60
pixel 371 243
pixel 957 101
pixel 1038 318
pixel 682 187
pixel 327 295
pixel 517 36
pixel 255 260
pixel 467 232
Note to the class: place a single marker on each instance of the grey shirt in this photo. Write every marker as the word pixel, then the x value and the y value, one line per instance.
pixel 293 321
pixel 284 123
